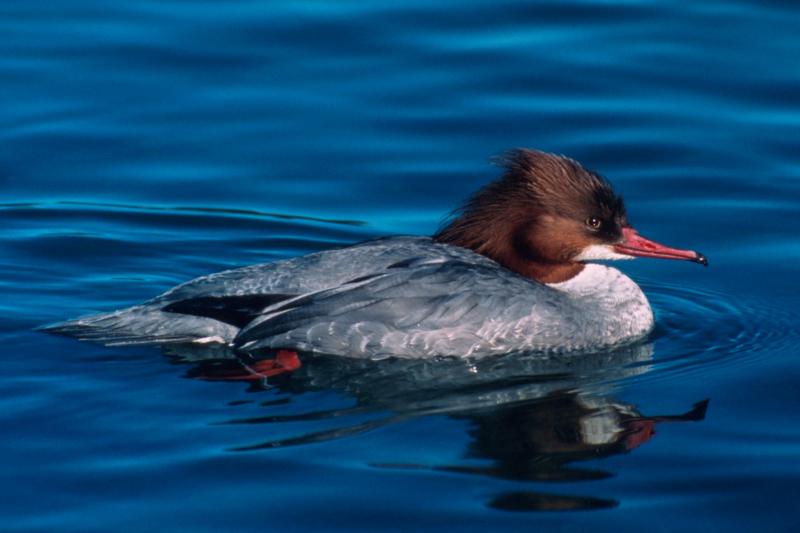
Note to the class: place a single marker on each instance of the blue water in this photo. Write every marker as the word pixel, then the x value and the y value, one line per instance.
pixel 146 143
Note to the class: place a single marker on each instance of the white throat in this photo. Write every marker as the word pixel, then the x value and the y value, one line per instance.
pixel 599 252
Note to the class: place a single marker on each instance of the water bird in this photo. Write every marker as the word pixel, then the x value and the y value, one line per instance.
pixel 511 270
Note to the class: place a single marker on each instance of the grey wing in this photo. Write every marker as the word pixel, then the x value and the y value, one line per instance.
pixel 318 271
pixel 216 306
pixel 419 309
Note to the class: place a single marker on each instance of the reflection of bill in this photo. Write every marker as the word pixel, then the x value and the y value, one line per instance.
pixel 537 440
pixel 531 416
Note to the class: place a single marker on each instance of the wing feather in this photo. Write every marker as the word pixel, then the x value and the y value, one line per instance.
pixel 416 309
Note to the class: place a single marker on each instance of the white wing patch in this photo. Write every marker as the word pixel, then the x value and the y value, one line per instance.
pixel 214 339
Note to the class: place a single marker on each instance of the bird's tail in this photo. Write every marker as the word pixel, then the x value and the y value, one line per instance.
pixel 142 325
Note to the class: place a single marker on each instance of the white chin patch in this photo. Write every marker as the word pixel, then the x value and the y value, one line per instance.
pixel 600 252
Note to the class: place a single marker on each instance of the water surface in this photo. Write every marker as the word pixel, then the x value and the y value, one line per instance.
pixel 143 144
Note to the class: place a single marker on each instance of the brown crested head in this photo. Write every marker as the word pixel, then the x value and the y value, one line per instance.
pixel 540 218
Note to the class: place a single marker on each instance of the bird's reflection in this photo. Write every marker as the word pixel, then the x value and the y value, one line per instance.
pixel 539 440
pixel 529 417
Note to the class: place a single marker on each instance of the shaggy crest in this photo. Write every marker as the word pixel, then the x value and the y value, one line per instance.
pixel 535 187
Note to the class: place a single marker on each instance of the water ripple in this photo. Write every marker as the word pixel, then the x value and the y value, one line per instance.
pixel 700 330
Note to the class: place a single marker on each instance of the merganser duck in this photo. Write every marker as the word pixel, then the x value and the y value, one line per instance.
pixel 509 272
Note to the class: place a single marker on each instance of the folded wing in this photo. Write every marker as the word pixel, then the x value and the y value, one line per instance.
pixel 414 309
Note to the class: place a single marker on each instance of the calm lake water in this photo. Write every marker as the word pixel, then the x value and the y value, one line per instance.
pixel 146 143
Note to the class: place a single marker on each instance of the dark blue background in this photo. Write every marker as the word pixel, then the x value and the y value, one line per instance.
pixel 144 143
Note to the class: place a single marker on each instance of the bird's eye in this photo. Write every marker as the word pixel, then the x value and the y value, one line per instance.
pixel 593 223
